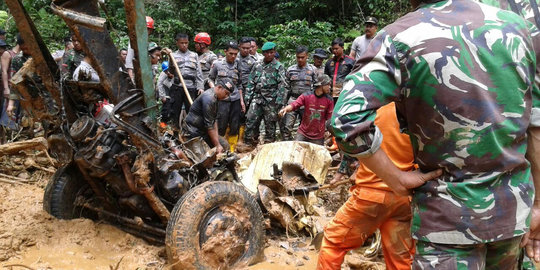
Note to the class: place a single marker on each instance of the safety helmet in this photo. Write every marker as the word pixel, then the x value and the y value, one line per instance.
pixel 203 37
pixel 149 22
pixel 165 65
pixel 153 46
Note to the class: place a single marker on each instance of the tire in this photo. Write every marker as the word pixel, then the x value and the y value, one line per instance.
pixel 216 225
pixel 61 192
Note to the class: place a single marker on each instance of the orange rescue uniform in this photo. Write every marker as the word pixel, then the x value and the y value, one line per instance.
pixel 373 205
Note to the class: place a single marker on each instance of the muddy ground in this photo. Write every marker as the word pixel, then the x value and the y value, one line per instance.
pixel 32 239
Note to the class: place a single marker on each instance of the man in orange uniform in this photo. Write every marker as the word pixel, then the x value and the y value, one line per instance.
pixel 373 205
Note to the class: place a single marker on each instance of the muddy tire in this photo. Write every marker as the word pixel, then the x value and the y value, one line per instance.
pixel 216 225
pixel 61 192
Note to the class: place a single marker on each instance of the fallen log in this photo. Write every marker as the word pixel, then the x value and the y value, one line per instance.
pixel 14 148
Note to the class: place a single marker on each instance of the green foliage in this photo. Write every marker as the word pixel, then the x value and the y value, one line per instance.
pixel 299 32
pixel 314 23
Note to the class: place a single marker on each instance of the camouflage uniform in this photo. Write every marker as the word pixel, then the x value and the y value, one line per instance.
pixel 245 66
pixel 462 76
pixel 266 95
pixel 229 109
pixel 299 80
pixel 524 9
pixel 70 61
pixel 205 61
pixel 17 63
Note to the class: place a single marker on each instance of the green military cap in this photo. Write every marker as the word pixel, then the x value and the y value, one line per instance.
pixel 268 46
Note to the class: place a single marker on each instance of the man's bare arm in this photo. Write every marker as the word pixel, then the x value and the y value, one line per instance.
pixel 5 61
pixel 214 137
pixel 531 240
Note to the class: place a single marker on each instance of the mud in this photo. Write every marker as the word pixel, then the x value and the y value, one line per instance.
pixel 224 242
pixel 32 238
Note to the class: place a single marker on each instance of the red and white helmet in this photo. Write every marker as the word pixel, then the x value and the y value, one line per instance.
pixel 203 37
pixel 149 22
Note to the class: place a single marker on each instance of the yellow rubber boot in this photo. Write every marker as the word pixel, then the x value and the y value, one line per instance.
pixel 233 140
pixel 241 134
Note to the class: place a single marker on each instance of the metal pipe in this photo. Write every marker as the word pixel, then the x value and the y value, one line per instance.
pixel 92 22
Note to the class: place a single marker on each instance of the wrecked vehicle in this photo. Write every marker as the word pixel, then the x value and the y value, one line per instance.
pixel 117 165
pixel 283 176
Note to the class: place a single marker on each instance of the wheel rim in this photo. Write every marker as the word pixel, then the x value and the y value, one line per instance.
pixel 224 235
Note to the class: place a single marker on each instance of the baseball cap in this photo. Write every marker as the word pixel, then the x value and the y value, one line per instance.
pixel 2 31
pixel 3 43
pixel 321 53
pixel 322 80
pixel 226 83
pixel 372 20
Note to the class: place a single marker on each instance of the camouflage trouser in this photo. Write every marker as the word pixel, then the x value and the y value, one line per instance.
pixel 504 254
pixel 257 111
pixel 286 125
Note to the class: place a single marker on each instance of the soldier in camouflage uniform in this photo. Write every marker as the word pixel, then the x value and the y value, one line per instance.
pixel 72 59
pixel 462 75
pixel 526 10
pixel 206 56
pixel 188 63
pixel 13 106
pixel 229 109
pixel 266 95
pixel 300 79
pixel 246 61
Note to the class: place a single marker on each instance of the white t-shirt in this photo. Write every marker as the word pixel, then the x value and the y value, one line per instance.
pixel 360 45
pixel 85 72
pixel 129 58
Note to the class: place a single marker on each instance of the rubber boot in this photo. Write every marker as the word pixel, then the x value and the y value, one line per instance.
pixel 232 142
pixel 241 134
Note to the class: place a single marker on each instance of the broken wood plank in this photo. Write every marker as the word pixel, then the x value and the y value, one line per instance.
pixel 39 143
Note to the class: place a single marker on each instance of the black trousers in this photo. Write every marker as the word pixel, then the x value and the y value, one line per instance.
pixel 173 107
pixel 229 115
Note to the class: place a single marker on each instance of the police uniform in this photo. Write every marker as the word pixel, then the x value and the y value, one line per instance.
pixel 188 63
pixel 299 80
pixel 205 61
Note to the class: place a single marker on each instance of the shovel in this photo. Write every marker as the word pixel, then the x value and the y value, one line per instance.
pixel 168 52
